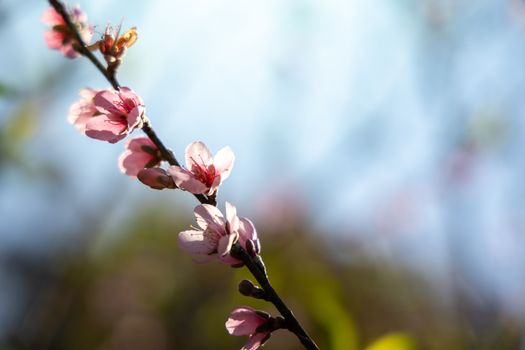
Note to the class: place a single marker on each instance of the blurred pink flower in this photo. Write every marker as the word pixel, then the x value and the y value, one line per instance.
pixel 80 112
pixel 118 113
pixel 156 178
pixel 203 173
pixel 215 234
pixel 245 321
pixel 60 37
pixel 140 153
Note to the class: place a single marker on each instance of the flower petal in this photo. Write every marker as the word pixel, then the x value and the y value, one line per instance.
pixel 231 217
pixel 246 231
pixel 206 214
pixel 103 128
pixel 194 242
pixel 53 39
pixel 243 321
pixel 185 180
pixel 52 17
pixel 108 101
pixel 223 162
pixel 197 152
pixel 130 163
pixel 256 341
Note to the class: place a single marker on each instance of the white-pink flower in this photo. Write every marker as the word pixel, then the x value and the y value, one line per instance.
pixel 140 153
pixel 246 321
pixel 203 173
pixel 216 234
pixel 60 37
pixel 107 115
pixel 119 113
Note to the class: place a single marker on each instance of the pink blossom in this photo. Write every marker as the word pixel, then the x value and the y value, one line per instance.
pixel 216 234
pixel 80 112
pixel 119 112
pixel 60 37
pixel 203 173
pixel 156 178
pixel 140 153
pixel 246 321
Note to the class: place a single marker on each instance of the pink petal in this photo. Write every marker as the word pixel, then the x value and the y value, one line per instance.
pixel 136 144
pixel 231 217
pixel 214 186
pixel 52 17
pixel 80 112
pixel 206 214
pixel 194 242
pixel 243 321
pixel 197 152
pixel 256 341
pixel 88 94
pixel 134 118
pixel 185 180
pixel 223 162
pixel 68 51
pixel 53 39
pixel 127 94
pixel 103 128
pixel 225 244
pixel 108 101
pixel 130 163
pixel 246 231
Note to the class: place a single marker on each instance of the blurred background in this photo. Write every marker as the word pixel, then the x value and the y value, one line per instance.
pixel 379 154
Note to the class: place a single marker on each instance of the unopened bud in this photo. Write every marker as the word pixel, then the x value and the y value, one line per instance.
pixel 247 288
pixel 156 178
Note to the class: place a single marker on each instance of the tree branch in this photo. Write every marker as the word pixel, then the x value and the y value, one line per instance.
pixel 256 267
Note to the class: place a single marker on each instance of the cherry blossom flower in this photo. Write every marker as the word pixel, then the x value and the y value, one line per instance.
pixel 119 113
pixel 156 178
pixel 107 115
pixel 203 173
pixel 140 153
pixel 216 234
pixel 60 37
pixel 246 321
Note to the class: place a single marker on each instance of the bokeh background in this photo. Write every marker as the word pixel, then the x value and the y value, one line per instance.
pixel 379 153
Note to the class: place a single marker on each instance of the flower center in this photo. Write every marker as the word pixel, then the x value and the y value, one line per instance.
pixel 205 173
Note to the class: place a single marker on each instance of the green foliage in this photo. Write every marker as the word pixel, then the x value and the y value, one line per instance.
pixel 394 341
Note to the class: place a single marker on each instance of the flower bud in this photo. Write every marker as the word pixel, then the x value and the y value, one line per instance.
pixel 156 178
pixel 247 288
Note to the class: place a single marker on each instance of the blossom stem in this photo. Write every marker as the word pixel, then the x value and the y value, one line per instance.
pixel 292 324
pixel 82 48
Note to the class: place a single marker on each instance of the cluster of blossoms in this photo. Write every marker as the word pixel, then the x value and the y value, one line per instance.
pixel 112 114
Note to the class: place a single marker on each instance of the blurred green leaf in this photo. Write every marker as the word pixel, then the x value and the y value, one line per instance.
pixel 4 90
pixel 22 125
pixel 394 341
pixel 329 311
